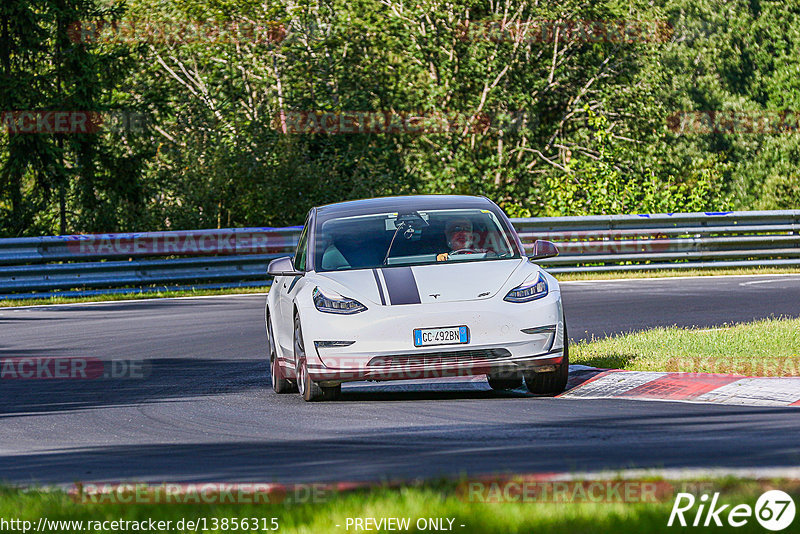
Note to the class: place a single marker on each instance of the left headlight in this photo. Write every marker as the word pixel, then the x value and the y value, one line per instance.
pixel 332 302
pixel 529 290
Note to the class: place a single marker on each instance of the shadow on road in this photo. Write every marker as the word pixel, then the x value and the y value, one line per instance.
pixel 560 439
pixel 167 378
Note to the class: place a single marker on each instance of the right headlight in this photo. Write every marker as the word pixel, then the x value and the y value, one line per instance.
pixel 529 290
pixel 332 302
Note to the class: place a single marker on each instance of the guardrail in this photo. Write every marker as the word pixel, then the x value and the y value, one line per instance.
pixel 102 263
pixel 668 240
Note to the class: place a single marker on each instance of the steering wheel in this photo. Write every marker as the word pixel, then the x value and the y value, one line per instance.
pixel 465 251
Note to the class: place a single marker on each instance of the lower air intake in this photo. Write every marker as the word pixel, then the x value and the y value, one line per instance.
pixel 438 358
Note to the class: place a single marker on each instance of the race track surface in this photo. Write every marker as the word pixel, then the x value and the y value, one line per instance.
pixel 206 411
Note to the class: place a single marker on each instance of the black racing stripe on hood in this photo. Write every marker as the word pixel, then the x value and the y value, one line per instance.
pixel 380 288
pixel 401 285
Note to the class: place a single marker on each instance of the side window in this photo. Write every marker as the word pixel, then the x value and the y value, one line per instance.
pixel 302 248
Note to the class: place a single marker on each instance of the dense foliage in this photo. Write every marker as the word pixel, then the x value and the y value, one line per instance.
pixel 557 108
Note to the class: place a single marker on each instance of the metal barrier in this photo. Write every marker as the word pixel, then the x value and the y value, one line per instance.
pixel 105 263
pixel 668 240
pixel 39 266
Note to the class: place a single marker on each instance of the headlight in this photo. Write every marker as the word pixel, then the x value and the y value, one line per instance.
pixel 332 302
pixel 528 291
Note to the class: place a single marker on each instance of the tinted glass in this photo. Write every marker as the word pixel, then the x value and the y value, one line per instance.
pixel 302 249
pixel 412 238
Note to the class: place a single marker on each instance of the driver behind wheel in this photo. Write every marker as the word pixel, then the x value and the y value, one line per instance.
pixel 460 238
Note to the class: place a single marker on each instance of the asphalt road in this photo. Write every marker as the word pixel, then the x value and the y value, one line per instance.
pixel 205 411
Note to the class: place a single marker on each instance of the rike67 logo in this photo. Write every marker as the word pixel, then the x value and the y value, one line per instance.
pixel 774 511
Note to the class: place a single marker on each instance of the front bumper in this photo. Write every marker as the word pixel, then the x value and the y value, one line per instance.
pixel 446 366
pixel 504 338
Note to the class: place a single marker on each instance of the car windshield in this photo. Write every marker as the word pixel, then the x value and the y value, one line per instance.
pixel 411 238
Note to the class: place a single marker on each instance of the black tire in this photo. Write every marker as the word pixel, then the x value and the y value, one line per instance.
pixel 552 382
pixel 331 393
pixel 504 382
pixel 309 390
pixel 279 383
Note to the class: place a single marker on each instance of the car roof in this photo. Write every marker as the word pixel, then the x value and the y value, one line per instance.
pixel 404 203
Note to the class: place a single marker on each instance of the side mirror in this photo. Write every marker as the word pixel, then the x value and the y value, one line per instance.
pixel 543 249
pixel 282 267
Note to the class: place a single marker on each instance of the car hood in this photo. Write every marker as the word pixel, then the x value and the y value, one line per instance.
pixel 452 282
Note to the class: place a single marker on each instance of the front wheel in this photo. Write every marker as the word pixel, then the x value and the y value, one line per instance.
pixel 551 382
pixel 310 390
pixel 279 383
pixel 503 382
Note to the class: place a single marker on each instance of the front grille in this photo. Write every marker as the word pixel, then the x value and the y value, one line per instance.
pixel 438 358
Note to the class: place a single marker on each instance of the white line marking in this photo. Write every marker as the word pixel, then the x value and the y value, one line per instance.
pixel 661 278
pixel 686 473
pixel 613 384
pixel 672 473
pixel 777 391
pixel 761 282
pixel 655 278
pixel 98 303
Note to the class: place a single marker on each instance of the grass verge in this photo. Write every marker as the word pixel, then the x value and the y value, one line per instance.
pixel 769 347
pixel 431 500
pixel 566 277
pixel 675 273
pixel 6 303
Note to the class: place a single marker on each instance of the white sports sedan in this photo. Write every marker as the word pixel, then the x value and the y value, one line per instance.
pixel 410 288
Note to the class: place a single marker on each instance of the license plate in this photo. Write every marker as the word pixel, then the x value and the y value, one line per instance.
pixel 449 335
